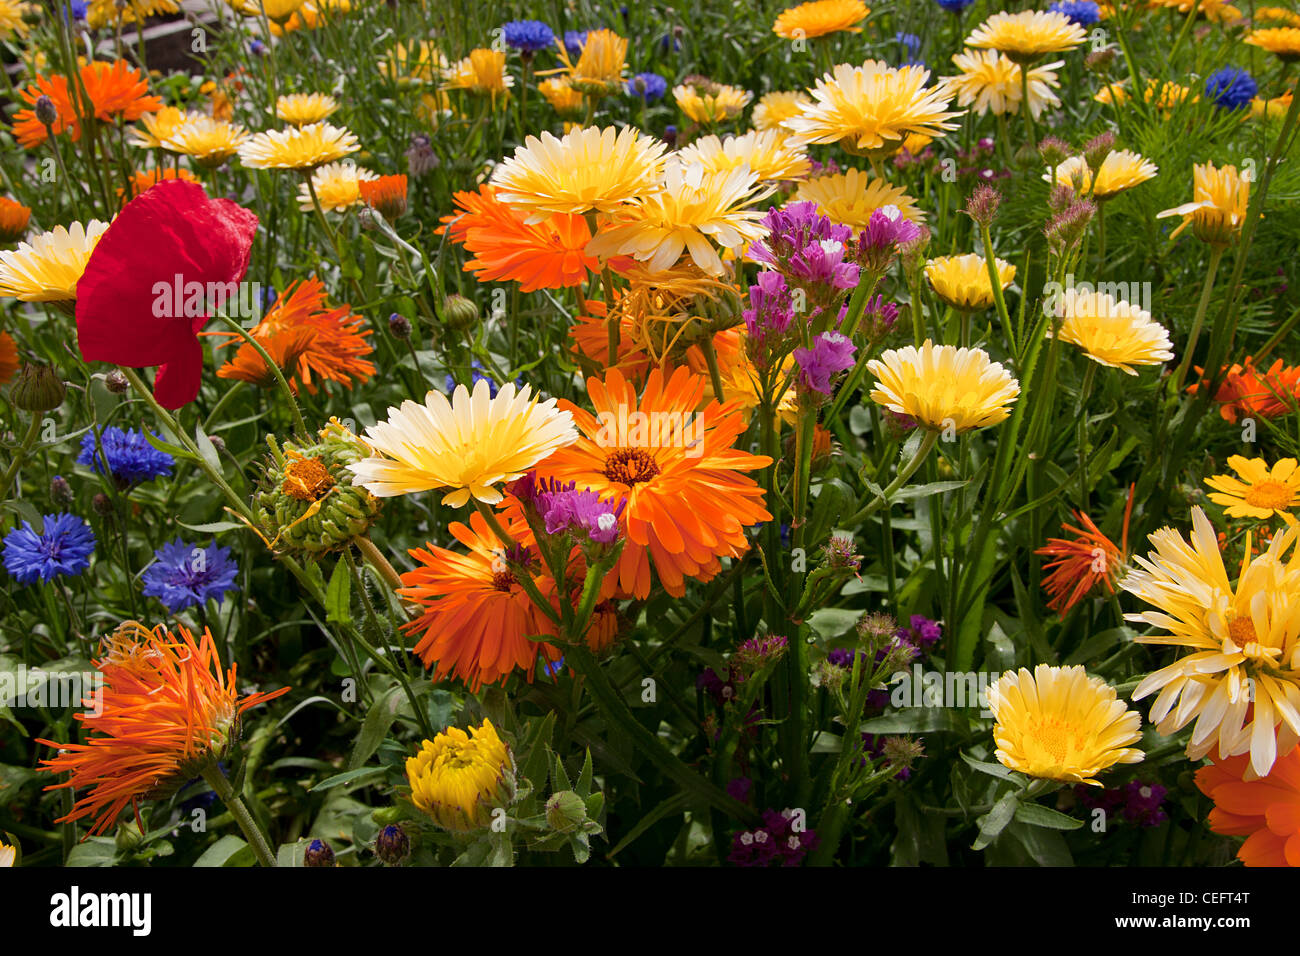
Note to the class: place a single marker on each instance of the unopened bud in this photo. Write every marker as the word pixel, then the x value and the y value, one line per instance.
pixel 982 206
pixel 565 811
pixel 459 312
pixel 392 845
pixel 116 382
pixel 102 505
pixel 399 326
pixel 368 218
pixel 38 389
pixel 47 114
pixel 1097 149
pixel 60 490
pixel 1100 61
pixel 1053 150
pixel 318 853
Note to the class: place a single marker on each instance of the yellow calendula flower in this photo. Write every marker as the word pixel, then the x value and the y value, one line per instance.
pixel 600 66
pixel 963 281
pixel 1257 491
pixel 1120 170
pixel 559 92
pixel 1241 681
pixel 470 445
pixel 1028 35
pixel 337 186
pixel 1215 11
pixel 1220 197
pixel 990 82
pixel 692 210
pixel 302 147
pixel 420 62
pixel 275 10
pixel 773 109
pixel 210 142
pixel 459 778
pixel 711 103
pixel 943 387
pixel 1276 15
pixel 589 168
pixel 48 266
pixel 1111 331
pixel 156 127
pixel 1282 42
pixel 300 109
pixel 849 198
pixel 1058 723
pixel 483 72
pixel 768 154
pixel 102 13
pixel 11 20
pixel 869 109
pixel 1166 95
pixel 820 17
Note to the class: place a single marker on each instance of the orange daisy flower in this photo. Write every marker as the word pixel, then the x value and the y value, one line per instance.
pixel 1246 392
pixel 286 345
pixel 31 132
pixel 336 350
pixel 547 255
pixel 688 503
pixel 143 179
pixel 14 217
pixel 1082 561
pixel 387 194
pixel 165 709
pixel 8 357
pixel 477 618
pixel 115 90
pixel 1265 810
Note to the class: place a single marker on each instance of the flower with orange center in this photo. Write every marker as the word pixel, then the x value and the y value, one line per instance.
pixel 386 194
pixel 546 255
pixel 164 713
pixel 1257 491
pixel 1079 563
pixel 13 219
pixel 8 357
pixel 1265 810
pixel 1246 392
pixel 820 17
pixel 688 501
pixel 143 179
pixel 477 618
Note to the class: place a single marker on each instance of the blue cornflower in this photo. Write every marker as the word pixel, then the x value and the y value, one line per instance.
pixel 553 668
pixel 130 457
pixel 64 546
pixel 652 86
pixel 1231 88
pixel 1083 13
pixel 573 41
pixel 955 6
pixel 528 36
pixel 911 44
pixel 78 9
pixel 256 47
pixel 475 375
pixel 183 574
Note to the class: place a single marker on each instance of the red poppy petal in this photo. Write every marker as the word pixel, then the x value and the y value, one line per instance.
pixel 177 382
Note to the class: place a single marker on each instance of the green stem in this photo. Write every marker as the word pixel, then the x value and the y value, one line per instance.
pixel 29 440
pixel 271 364
pixel 216 779
pixel 927 443
pixel 1207 287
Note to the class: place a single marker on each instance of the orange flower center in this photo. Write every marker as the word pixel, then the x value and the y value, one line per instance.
pixel 306 479
pixel 1269 494
pixel 1242 631
pixel 627 466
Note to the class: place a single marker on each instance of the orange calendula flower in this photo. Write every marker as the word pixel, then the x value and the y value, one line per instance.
pixel 546 255
pixel 8 357
pixel 1079 563
pixel 116 90
pixel 14 217
pixel 387 194
pixel 286 345
pixel 165 711
pixel 1246 392
pixel 1265 810
pixel 143 179
pixel 688 501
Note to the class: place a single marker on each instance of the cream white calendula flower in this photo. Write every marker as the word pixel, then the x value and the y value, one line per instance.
pixel 47 267
pixel 1111 331
pixel 943 387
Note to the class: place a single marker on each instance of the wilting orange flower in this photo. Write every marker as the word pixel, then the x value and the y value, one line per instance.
pixel 165 711
pixel 8 357
pixel 142 179
pixel 688 503
pixel 547 255
pixel 1080 562
pixel 1246 391
pixel 14 217
pixel 477 618
pixel 1265 810
pixel 387 194
pixel 115 90
pixel 336 350
pixel 286 345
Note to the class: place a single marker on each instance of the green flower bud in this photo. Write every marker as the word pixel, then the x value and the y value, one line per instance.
pixel 565 811
pixel 38 389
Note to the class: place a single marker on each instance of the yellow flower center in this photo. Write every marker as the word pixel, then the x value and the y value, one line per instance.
pixel 627 466
pixel 306 479
pixel 1053 735
pixel 1269 494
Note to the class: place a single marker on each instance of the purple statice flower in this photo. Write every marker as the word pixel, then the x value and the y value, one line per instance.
pixel 1231 88
pixel 842 657
pixel 63 546
pixel 740 788
pixel 791 229
pixel 818 168
pixel 183 575
pixel 647 87
pixel 775 843
pixel 831 354
pixel 573 41
pixel 1109 799
pixel 878 318
pixel 1143 803
pixel 528 36
pixel 129 457
pixel 921 632
pixel 563 507
pixel 877 245
pixel 1082 13
pixel 770 311
pixel 821 265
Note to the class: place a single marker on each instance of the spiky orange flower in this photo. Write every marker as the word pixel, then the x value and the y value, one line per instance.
pixel 14 217
pixel 688 503
pixel 387 194
pixel 1265 810
pixel 164 711
pixel 547 255
pixel 336 350
pixel 1080 562
pixel 8 357
pixel 286 345
pixel 143 179
pixel 115 90
pixel 1246 392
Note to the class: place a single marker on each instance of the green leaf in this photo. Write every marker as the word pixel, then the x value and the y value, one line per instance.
pixel 1045 847
pixel 673 805
pixel 992 769
pixel 996 820
pixel 291 854
pixel 212 527
pixel 25 510
pixel 374 728
pixel 349 776
pixel 207 449
pixel 1037 815
pixel 559 779
pixel 97 851
pixel 916 720
pixel 831 622
pixel 924 491
pixel 230 850
pixel 1098 644
pixel 338 595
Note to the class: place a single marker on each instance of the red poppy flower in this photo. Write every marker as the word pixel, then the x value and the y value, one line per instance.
pixel 169 249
